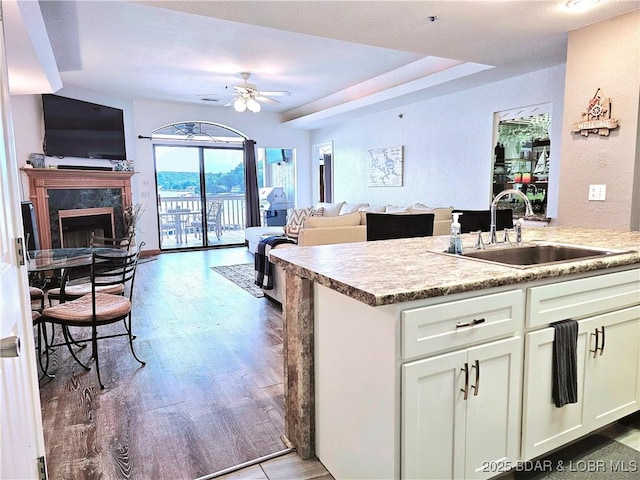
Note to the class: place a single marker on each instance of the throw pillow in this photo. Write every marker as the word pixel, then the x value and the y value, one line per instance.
pixel 351 207
pixel 330 209
pixel 440 213
pixel 420 206
pixel 363 212
pixel 295 219
pixel 348 220
pixel 396 209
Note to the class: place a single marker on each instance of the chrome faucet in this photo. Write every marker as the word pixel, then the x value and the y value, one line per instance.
pixel 494 205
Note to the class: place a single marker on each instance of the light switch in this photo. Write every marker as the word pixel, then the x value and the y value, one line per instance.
pixel 597 192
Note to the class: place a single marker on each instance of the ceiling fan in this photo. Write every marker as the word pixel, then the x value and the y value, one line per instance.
pixel 248 97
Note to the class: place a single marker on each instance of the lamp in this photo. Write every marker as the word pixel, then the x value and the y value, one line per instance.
pixel 240 105
pixel 246 101
pixel 253 105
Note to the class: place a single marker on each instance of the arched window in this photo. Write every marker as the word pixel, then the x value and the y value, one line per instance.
pixel 199 132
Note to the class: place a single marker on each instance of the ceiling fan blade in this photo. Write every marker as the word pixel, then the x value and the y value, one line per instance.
pixel 241 89
pixel 261 98
pixel 277 93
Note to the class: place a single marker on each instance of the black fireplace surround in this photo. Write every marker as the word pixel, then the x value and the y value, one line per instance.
pixel 69 199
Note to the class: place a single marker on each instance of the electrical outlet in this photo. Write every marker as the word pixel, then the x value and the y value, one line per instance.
pixel 597 192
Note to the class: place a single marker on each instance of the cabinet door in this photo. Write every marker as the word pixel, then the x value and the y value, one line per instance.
pixel 545 426
pixel 612 374
pixel 493 407
pixel 433 417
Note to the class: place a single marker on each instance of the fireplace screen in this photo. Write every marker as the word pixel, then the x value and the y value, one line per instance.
pixel 77 225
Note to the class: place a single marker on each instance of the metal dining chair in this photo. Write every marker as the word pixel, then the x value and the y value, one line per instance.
pixel 97 308
pixel 70 290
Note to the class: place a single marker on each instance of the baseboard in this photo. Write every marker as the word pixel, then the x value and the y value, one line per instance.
pixel 149 253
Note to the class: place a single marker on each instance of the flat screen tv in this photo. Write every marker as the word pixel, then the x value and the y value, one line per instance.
pixel 278 155
pixel 74 128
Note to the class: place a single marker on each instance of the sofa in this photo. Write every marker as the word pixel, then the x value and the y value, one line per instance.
pixel 332 223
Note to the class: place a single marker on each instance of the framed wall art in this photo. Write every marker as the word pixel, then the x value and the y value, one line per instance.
pixel 385 167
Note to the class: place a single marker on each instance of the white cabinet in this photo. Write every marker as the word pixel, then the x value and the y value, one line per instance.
pixel 608 381
pixel 461 411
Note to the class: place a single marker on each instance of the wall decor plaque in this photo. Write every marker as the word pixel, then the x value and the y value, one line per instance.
pixel 596 117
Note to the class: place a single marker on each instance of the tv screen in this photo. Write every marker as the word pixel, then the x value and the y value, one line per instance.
pixel 74 128
pixel 278 155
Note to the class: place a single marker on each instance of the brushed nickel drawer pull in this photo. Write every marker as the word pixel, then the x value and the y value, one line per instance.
pixel 466 380
pixel 475 321
pixel 476 387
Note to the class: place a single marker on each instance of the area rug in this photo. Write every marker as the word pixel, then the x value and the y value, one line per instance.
pixel 595 457
pixel 242 275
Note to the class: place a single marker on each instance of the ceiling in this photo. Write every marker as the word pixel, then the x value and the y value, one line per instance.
pixel 339 59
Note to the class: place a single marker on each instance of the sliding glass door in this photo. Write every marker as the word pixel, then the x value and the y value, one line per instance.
pixel 201 198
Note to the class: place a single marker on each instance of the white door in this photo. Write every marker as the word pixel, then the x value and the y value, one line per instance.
pixel 22 440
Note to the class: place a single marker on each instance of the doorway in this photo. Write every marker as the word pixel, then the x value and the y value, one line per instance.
pixel 201 196
pixel 322 172
pixel 521 158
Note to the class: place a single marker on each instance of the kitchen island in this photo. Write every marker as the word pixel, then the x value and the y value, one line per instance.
pixel 385 341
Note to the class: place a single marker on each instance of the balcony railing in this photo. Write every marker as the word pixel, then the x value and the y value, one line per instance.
pixel 233 208
pixel 189 209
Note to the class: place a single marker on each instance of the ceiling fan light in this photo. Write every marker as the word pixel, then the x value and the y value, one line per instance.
pixel 240 105
pixel 253 105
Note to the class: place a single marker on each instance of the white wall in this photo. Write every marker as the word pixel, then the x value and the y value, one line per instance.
pixel 141 118
pixel 448 144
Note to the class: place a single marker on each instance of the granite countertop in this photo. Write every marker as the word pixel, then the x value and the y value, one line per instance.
pixel 394 271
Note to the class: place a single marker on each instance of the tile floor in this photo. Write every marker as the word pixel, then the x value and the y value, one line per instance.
pixel 290 466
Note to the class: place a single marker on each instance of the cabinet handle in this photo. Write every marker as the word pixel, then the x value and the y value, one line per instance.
pixel 597 335
pixel 475 321
pixel 476 387
pixel 466 380
pixel 602 346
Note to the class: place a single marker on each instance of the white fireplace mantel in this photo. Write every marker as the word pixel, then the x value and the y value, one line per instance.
pixel 41 180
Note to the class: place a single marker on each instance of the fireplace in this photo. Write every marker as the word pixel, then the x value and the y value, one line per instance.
pixel 54 192
pixel 77 225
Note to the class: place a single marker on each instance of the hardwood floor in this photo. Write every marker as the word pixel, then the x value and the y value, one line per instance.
pixel 210 396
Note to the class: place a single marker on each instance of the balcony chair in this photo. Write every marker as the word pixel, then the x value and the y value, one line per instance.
pixel 97 309
pixel 214 217
pixel 175 222
pixel 385 226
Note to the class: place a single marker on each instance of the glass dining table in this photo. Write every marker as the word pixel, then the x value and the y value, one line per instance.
pixel 65 258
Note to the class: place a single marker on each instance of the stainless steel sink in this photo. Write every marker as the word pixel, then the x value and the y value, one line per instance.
pixel 534 254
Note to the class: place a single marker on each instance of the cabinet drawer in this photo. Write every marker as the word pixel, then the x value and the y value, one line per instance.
pixel 582 298
pixel 428 330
